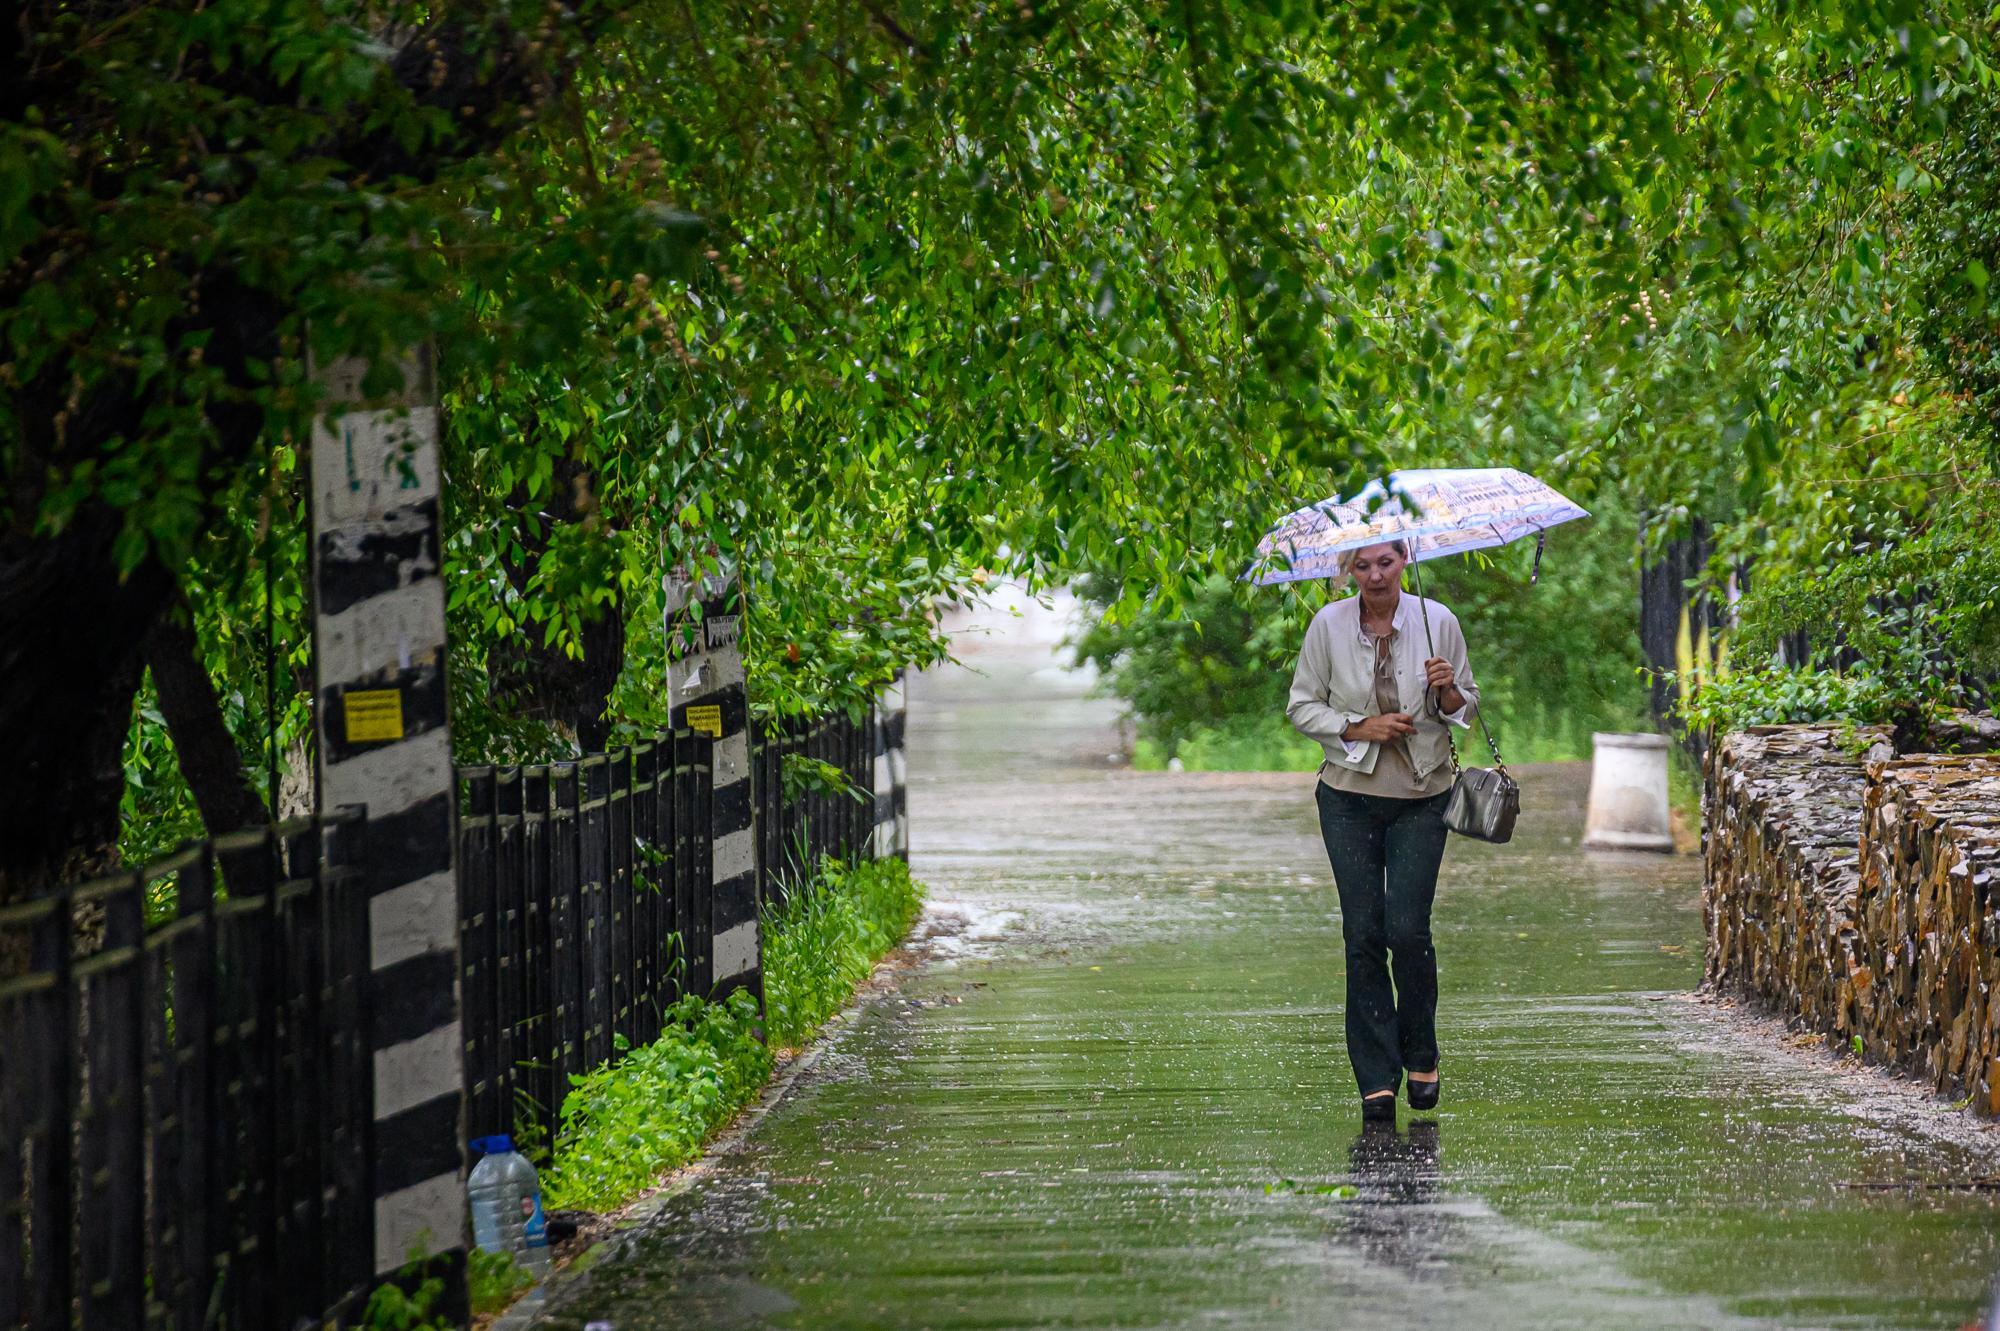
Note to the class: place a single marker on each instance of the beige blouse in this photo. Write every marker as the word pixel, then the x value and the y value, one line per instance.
pixel 1393 775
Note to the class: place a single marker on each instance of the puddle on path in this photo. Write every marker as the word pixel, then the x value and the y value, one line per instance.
pixel 1134 1110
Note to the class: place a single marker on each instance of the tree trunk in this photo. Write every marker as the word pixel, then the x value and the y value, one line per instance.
pixel 70 666
pixel 73 629
pixel 207 752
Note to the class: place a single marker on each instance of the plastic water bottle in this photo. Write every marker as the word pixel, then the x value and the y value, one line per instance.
pixel 506 1197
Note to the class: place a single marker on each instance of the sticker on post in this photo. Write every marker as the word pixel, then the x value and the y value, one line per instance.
pixel 706 718
pixel 373 715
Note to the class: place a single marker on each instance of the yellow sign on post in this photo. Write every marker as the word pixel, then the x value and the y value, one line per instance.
pixel 706 718
pixel 373 714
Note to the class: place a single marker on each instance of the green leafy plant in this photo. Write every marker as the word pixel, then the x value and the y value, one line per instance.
pixel 649 1110
pixel 494 1279
pixel 823 934
pixel 1921 610
pixel 802 775
pixel 1776 695
pixel 408 1301
pixel 391 1309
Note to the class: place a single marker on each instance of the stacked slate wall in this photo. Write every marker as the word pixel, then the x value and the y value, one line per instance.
pixel 1930 922
pixel 1856 893
pixel 1781 827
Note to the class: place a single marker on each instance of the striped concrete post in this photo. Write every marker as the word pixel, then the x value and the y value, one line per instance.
pixel 706 693
pixel 892 813
pixel 379 648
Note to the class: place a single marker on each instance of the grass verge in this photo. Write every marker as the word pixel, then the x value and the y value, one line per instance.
pixel 652 1109
pixel 493 1280
pixel 628 1121
pixel 824 935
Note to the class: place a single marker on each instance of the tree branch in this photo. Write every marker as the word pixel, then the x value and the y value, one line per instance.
pixel 207 752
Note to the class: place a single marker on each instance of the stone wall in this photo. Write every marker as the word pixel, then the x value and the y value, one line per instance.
pixel 1930 921
pixel 1856 892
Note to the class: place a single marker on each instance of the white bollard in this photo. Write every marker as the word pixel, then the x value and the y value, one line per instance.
pixel 1628 793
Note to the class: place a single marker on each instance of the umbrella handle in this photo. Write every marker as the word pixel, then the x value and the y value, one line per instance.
pixel 1430 697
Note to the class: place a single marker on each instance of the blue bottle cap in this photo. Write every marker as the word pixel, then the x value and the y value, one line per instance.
pixel 499 1144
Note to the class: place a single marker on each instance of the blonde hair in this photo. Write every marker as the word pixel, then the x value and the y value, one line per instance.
pixel 1345 566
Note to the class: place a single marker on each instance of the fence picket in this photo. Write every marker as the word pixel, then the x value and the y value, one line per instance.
pixel 537 1039
pixel 50 1141
pixel 302 1115
pixel 350 1084
pixel 618 903
pixel 110 1121
pixel 565 884
pixel 645 871
pixel 509 946
pixel 685 882
pixel 478 1008
pixel 192 951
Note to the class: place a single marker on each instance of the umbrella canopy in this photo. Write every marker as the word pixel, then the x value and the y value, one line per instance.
pixel 1442 511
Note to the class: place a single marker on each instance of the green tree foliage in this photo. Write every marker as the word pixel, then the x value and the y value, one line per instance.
pixel 1784 333
pixel 867 299
pixel 1955 248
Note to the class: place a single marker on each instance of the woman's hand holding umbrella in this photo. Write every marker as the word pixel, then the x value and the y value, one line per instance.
pixel 1439 674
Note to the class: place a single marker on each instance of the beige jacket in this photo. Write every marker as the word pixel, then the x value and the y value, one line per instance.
pixel 1334 685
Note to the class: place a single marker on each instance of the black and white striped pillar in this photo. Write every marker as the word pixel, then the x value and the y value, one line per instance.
pixel 892 814
pixel 706 692
pixel 379 646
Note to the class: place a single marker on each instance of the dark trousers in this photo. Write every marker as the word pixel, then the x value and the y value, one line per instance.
pixel 1385 854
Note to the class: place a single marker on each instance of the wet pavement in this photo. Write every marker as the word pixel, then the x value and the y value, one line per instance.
pixel 1132 1109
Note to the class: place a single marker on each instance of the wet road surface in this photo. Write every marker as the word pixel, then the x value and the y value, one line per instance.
pixel 1132 1109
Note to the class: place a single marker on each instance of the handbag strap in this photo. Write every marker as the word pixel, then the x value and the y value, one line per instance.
pixel 1499 763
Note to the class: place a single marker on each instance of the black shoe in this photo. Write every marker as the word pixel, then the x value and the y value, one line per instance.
pixel 1378 1108
pixel 1424 1094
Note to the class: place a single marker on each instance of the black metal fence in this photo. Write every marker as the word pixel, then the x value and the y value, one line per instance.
pixel 584 898
pixel 184 1090
pixel 186 1093
pixel 816 816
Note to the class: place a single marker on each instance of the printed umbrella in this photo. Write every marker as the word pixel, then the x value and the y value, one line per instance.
pixel 1442 511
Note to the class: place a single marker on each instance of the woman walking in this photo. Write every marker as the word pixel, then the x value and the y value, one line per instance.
pixel 1379 707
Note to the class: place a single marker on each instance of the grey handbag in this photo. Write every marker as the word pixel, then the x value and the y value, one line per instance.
pixel 1484 801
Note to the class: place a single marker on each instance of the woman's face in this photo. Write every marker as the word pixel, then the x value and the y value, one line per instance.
pixel 1377 568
